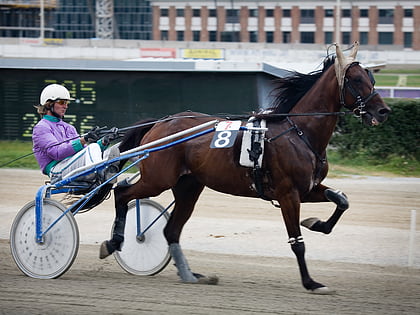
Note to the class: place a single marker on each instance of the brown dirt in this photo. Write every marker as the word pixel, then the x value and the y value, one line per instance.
pixel 235 241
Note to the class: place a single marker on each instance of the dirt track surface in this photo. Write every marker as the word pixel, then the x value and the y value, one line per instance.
pixel 243 241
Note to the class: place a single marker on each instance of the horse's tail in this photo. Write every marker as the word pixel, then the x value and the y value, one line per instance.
pixel 133 137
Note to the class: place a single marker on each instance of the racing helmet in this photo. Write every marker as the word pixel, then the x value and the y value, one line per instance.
pixel 54 92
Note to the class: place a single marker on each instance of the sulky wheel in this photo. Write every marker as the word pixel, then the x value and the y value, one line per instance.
pixel 149 254
pixel 54 256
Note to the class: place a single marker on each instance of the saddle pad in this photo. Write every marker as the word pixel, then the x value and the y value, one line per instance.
pixel 244 158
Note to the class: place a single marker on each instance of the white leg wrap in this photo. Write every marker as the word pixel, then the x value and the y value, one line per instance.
pixel 181 264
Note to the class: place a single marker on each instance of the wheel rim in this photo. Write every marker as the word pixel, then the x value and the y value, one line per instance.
pixel 149 255
pixel 52 257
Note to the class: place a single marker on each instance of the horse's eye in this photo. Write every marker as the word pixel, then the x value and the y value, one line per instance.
pixel 358 80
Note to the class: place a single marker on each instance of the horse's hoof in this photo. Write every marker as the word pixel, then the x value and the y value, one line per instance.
pixel 309 223
pixel 104 251
pixel 211 280
pixel 323 291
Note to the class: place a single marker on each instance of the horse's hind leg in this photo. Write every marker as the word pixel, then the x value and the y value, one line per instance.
pixel 322 193
pixel 186 193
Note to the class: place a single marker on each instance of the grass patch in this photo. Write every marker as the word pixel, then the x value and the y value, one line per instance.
pixel 386 80
pixel 389 77
pixel 362 164
pixel 413 80
pixel 12 151
pixel 399 71
pixel 339 166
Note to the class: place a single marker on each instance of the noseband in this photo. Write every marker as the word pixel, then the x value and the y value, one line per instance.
pixel 360 103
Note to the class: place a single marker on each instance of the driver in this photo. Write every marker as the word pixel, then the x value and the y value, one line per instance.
pixel 57 146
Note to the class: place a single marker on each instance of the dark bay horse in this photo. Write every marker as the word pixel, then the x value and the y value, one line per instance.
pixel 293 166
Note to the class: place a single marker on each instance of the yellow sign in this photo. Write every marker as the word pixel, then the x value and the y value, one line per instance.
pixel 54 41
pixel 202 53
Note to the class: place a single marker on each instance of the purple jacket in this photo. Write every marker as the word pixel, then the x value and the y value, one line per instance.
pixel 54 140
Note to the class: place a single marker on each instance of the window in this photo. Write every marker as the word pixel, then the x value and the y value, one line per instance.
pixel 307 37
pixel 164 12
pixel 408 39
pixel 329 13
pixel 286 13
pixel 386 38
pixel 408 12
pixel 212 36
pixel 253 13
pixel 212 13
pixel 196 12
pixel 196 36
pixel 346 13
pixel 269 13
pixel 307 16
pixel 232 16
pixel 363 38
pixel 346 37
pixel 286 37
pixel 180 36
pixel 180 12
pixel 253 36
pixel 229 36
pixel 269 37
pixel 164 35
pixel 328 37
pixel 386 16
pixel 364 13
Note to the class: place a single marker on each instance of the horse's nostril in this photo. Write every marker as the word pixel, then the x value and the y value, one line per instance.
pixel 384 111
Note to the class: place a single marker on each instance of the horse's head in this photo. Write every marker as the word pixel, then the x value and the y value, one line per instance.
pixel 357 91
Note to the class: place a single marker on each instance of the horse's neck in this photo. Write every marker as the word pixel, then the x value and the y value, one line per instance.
pixel 323 97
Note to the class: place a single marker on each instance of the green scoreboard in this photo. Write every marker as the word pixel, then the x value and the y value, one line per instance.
pixel 108 94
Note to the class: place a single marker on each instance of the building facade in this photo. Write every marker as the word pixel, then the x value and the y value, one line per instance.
pixel 375 22
pixel 307 22
pixel 129 19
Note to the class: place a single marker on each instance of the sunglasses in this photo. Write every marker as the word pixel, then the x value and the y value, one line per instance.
pixel 62 102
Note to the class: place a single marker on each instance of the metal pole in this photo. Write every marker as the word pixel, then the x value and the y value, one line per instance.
pixel 338 23
pixel 412 238
pixel 42 25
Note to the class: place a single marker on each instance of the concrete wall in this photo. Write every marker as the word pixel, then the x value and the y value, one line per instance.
pixel 288 56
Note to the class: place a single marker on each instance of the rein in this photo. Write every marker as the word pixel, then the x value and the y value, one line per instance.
pixel 167 118
pixel 231 117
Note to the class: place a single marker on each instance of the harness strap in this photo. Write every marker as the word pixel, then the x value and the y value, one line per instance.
pixel 279 135
pixel 321 159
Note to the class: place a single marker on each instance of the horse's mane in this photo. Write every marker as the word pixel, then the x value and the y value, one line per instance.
pixel 290 89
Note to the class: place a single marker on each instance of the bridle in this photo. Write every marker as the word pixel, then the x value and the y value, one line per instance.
pixel 360 102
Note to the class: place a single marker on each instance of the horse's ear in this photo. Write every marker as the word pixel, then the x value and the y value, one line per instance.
pixel 339 65
pixel 340 56
pixel 353 53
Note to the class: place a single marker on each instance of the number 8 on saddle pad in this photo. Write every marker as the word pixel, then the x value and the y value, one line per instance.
pixel 225 134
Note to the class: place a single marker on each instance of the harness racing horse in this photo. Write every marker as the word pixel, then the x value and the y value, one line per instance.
pixel 293 166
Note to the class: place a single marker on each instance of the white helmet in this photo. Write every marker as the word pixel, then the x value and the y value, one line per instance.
pixel 54 92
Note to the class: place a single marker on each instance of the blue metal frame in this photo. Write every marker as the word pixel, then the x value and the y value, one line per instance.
pixel 45 191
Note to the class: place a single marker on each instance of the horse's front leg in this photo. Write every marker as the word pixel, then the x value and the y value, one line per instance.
pixel 121 208
pixel 290 208
pixel 321 193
